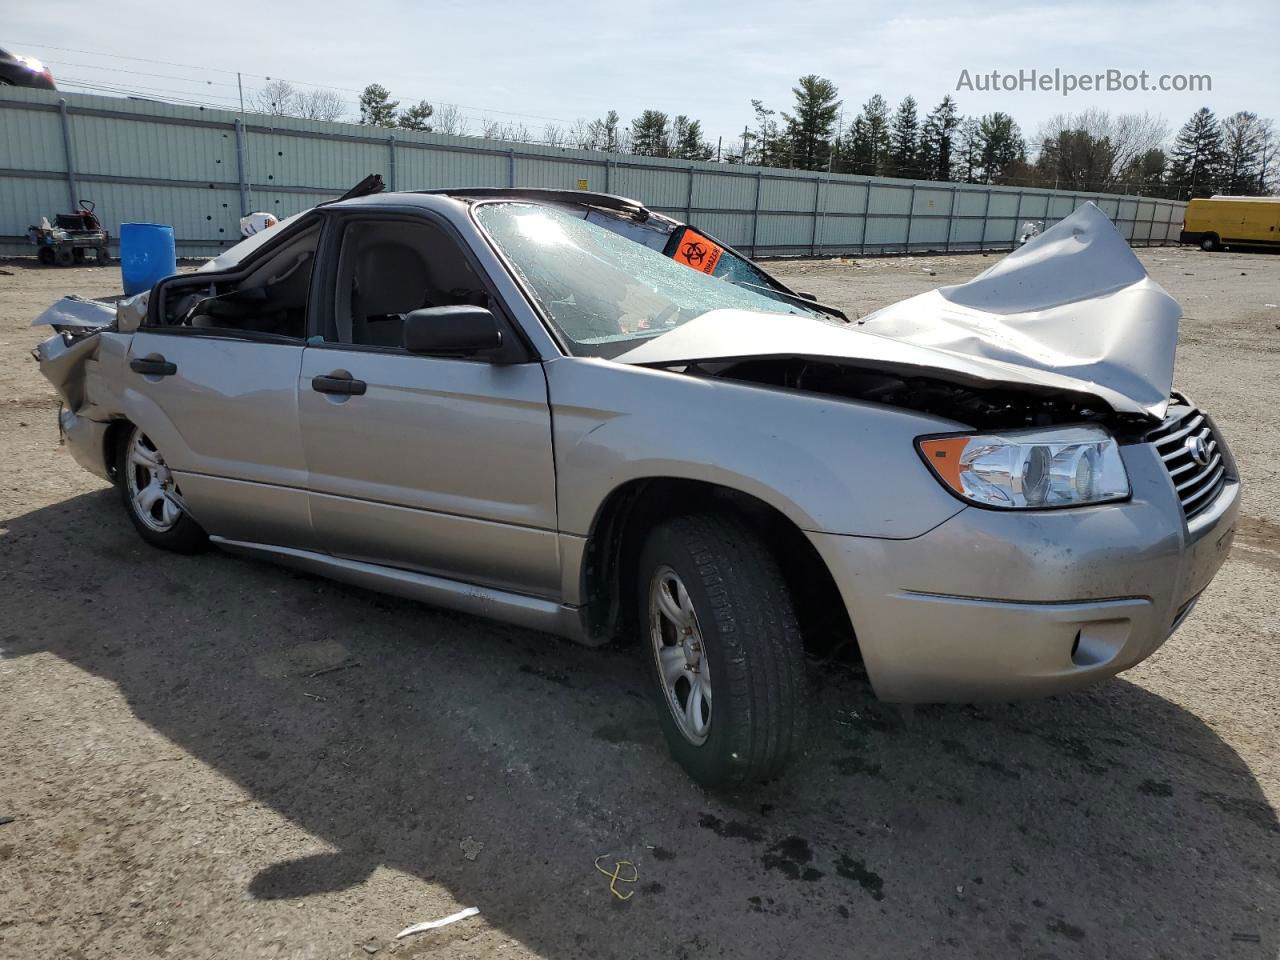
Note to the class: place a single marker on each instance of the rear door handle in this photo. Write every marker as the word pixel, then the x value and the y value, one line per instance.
pixel 153 367
pixel 340 383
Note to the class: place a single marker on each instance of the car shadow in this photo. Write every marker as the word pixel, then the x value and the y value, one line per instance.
pixel 1111 822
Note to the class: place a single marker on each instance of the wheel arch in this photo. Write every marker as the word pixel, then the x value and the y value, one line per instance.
pixel 622 522
pixel 117 430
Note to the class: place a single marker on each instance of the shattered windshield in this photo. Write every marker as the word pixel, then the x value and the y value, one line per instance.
pixel 603 291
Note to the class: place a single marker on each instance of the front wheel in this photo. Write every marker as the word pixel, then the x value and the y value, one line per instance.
pixel 1209 244
pixel 152 497
pixel 723 649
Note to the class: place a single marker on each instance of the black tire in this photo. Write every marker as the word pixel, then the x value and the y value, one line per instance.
pixel 64 257
pixel 751 642
pixel 184 535
pixel 102 257
pixel 45 256
pixel 79 255
pixel 1209 243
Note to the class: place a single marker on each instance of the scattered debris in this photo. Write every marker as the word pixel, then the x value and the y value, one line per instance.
pixel 342 666
pixel 1246 938
pixel 616 875
pixel 931 272
pixel 4 820
pixel 434 924
pixel 316 697
pixel 370 948
pixel 470 847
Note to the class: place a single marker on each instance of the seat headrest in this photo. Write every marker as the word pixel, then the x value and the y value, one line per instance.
pixel 392 278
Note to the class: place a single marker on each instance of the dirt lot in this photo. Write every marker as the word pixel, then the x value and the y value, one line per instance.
pixel 185 781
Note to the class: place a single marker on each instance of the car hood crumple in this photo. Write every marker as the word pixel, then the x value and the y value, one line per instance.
pixel 1073 310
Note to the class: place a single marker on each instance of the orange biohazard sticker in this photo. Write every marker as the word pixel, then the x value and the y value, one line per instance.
pixel 695 250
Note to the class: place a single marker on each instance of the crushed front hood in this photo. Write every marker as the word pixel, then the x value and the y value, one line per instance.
pixel 1073 310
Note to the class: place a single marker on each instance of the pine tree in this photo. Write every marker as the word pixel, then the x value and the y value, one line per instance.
pixel 869 136
pixel 1196 158
pixel 1242 146
pixel 968 150
pixel 377 109
pixel 904 139
pixel 1002 146
pixel 937 141
pixel 810 129
pixel 686 140
pixel 765 145
pixel 416 117
pixel 856 155
pixel 650 135
pixel 605 133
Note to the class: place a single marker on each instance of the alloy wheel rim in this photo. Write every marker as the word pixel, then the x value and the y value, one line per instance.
pixel 680 655
pixel 152 492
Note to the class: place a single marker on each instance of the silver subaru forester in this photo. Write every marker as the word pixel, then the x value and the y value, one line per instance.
pixel 567 411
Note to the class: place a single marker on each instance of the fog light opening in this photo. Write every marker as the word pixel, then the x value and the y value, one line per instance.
pixel 1075 645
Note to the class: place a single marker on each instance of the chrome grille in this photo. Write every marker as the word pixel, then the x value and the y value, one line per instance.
pixel 1197 484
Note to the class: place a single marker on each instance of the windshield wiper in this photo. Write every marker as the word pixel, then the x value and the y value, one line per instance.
pixel 794 299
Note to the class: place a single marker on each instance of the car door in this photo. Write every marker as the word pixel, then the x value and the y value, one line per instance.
pixel 431 463
pixel 214 384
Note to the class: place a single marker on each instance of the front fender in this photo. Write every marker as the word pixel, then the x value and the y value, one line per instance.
pixel 828 464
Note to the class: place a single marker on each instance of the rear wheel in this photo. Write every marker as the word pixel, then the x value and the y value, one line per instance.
pixel 723 649
pixel 64 257
pixel 1209 243
pixel 152 498
pixel 45 256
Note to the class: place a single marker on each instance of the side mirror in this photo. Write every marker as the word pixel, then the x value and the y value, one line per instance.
pixel 461 330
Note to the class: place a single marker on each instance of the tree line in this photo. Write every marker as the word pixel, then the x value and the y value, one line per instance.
pixel 1093 150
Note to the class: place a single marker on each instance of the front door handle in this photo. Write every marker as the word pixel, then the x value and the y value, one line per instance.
pixel 339 382
pixel 153 367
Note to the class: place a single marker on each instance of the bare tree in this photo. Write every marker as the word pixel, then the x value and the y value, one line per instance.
pixel 553 135
pixel 490 129
pixel 319 104
pixel 1093 150
pixel 583 135
pixel 449 119
pixel 277 98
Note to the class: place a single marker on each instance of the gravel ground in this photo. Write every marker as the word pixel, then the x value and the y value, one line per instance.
pixel 186 780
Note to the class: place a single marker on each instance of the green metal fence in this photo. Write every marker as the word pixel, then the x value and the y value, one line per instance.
pixel 200 170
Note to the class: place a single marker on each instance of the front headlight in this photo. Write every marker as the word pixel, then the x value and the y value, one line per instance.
pixel 1030 469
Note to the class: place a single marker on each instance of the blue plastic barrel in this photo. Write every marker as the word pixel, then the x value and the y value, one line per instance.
pixel 147 254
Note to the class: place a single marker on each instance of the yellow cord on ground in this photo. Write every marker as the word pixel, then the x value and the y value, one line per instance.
pixel 616 874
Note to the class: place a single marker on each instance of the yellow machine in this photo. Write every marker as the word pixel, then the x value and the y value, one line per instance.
pixel 1232 221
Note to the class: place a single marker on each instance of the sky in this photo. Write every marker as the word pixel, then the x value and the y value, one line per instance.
pixel 540 64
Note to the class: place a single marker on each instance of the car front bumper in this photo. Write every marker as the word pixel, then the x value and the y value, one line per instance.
pixel 1003 605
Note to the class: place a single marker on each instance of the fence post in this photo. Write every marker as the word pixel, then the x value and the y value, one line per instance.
pixel 72 189
pixel 819 208
pixel 608 169
pixel 986 215
pixel 511 167
pixel 866 219
pixel 391 164
pixel 688 200
pixel 755 213
pixel 1017 215
pixel 241 168
pixel 1168 224
pixel 951 218
pixel 911 213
